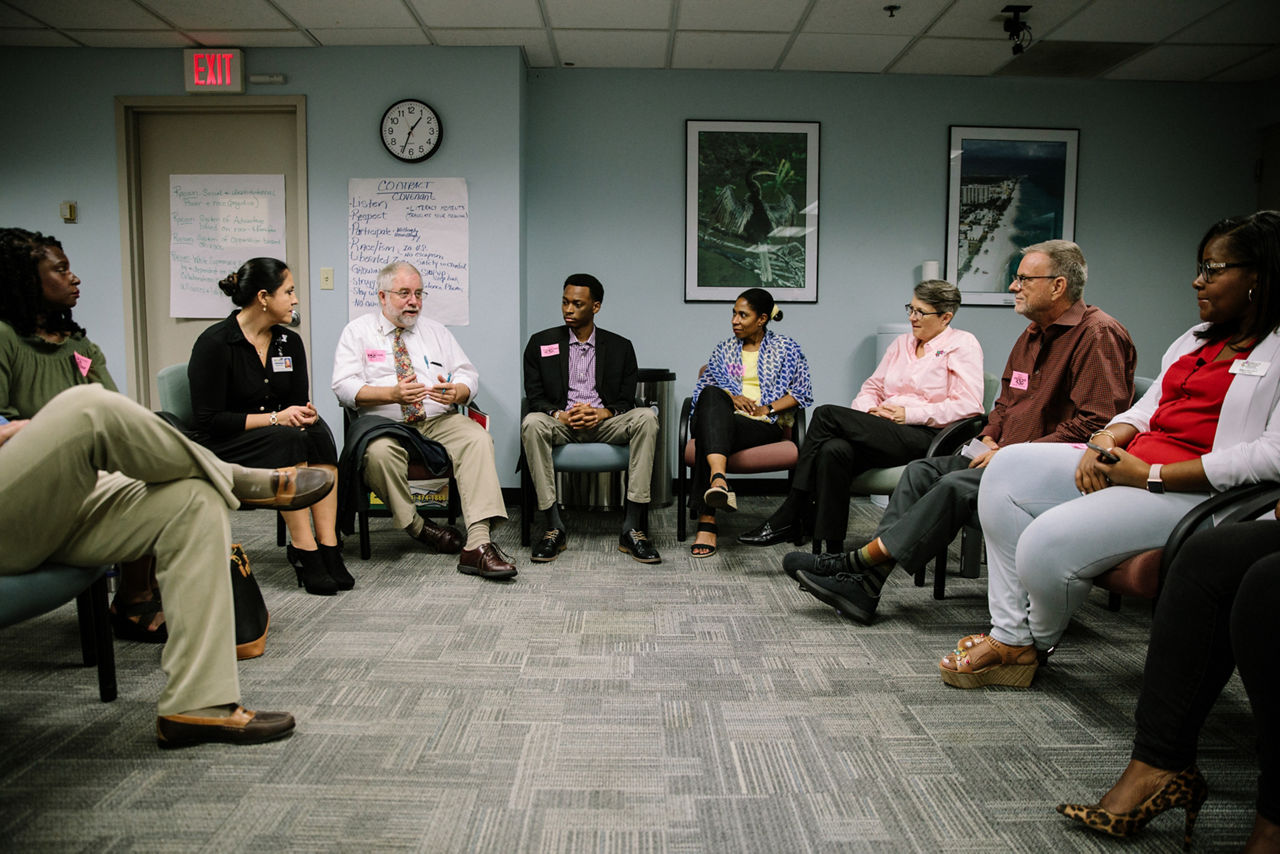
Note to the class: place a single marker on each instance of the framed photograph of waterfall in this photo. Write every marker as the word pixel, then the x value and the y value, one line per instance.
pixel 1008 188
pixel 751 210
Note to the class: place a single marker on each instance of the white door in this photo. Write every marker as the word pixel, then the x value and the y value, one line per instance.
pixel 198 135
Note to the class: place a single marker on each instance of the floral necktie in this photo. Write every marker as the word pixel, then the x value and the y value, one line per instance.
pixel 404 370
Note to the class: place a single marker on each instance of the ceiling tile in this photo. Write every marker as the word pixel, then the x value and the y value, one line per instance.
pixel 1255 21
pixel 1262 67
pixel 612 48
pixel 222 15
pixel 966 57
pixel 329 14
pixel 982 19
pixel 753 51
pixel 833 52
pixel 131 38
pixel 1127 21
pixel 476 14
pixel 536 47
pixel 762 16
pixel 34 38
pixel 1183 62
pixel 250 38
pixel 858 16
pixel 103 14
pixel 628 15
pixel 369 35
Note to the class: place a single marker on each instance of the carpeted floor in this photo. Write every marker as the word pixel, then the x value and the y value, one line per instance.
pixel 597 705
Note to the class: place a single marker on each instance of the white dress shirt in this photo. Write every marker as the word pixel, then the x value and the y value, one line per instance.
pixel 366 356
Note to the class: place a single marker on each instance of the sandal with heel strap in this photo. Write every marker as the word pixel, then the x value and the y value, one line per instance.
pixel 708 549
pixel 990 662
pixel 720 497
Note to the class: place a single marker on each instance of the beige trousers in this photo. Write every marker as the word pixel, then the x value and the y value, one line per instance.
pixel 96 479
pixel 470 448
pixel 638 428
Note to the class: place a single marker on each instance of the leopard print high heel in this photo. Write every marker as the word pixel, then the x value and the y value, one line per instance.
pixel 1187 789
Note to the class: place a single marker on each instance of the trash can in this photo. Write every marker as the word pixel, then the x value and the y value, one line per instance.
pixel 656 388
pixel 606 490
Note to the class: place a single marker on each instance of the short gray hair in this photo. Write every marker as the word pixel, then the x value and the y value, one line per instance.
pixel 943 296
pixel 1067 261
pixel 389 272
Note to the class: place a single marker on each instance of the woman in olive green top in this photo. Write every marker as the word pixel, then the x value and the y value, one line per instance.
pixel 43 352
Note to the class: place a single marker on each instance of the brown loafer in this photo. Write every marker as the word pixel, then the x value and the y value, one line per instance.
pixel 488 561
pixel 240 727
pixel 281 489
pixel 443 539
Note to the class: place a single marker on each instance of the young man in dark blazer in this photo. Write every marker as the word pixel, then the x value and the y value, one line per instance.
pixel 580 382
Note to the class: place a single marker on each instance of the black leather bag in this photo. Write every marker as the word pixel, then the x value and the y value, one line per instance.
pixel 252 618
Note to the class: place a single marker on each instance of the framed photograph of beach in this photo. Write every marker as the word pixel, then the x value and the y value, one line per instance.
pixel 1008 188
pixel 751 210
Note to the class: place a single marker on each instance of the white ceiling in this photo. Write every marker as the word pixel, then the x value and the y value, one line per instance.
pixel 1180 40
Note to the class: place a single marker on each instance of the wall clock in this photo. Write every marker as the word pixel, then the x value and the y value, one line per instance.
pixel 411 130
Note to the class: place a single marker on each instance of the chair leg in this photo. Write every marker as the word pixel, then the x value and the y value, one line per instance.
pixel 281 530
pixel 940 580
pixel 526 505
pixel 1113 601
pixel 362 521
pixel 971 552
pixel 91 607
pixel 682 499
pixel 455 501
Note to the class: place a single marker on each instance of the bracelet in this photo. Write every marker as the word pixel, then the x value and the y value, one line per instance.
pixel 273 419
pixel 1107 433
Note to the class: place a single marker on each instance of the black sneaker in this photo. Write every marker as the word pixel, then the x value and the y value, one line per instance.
pixel 850 593
pixel 823 565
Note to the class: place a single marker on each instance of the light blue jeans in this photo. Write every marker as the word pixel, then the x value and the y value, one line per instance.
pixel 1046 542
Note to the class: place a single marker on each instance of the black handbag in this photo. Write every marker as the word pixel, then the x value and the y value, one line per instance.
pixel 252 618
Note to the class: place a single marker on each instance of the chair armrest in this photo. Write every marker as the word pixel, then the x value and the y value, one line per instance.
pixel 952 437
pixel 684 428
pixel 1238 504
pixel 797 432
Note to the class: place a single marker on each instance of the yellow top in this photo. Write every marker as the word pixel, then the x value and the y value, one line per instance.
pixel 751 381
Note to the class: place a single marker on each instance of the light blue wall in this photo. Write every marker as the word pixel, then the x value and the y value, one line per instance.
pixel 606 195
pixel 574 170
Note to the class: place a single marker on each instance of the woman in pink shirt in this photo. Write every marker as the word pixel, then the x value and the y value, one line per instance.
pixel 928 378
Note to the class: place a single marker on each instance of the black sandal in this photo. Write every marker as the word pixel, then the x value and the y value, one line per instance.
pixel 125 628
pixel 708 548
pixel 720 497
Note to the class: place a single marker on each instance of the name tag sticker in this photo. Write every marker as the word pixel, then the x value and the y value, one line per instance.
pixel 550 350
pixel 1250 367
pixel 83 363
pixel 281 363
pixel 375 355
pixel 1018 380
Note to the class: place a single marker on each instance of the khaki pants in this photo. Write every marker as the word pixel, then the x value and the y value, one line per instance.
pixel 638 428
pixel 470 448
pixel 96 479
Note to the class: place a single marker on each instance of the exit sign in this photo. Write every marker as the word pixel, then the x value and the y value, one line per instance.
pixel 213 69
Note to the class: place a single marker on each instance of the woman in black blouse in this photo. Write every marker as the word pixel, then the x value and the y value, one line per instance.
pixel 249 393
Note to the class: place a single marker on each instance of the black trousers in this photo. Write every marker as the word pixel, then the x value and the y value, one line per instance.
pixel 935 498
pixel 839 444
pixel 1216 612
pixel 718 431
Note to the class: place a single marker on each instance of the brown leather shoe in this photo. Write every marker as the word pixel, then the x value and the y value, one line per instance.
pixel 443 539
pixel 488 561
pixel 281 489
pixel 240 727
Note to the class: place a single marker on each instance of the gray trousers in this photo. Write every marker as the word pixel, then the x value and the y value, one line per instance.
pixel 637 428
pixel 934 499
pixel 96 479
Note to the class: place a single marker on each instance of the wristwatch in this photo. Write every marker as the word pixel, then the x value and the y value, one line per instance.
pixel 1154 483
pixel 273 419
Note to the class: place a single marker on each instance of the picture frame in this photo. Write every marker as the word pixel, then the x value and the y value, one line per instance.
pixel 751 209
pixel 1007 189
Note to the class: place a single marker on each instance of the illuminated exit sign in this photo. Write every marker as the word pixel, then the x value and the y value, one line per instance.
pixel 214 69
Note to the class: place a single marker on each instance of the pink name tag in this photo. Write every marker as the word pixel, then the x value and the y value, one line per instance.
pixel 1018 380
pixel 375 355
pixel 83 363
pixel 550 350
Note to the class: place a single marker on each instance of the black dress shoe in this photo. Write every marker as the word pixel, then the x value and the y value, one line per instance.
pixel 769 534
pixel 640 547
pixel 240 727
pixel 549 547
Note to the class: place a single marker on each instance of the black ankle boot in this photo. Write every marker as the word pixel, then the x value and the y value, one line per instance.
pixel 312 574
pixel 337 568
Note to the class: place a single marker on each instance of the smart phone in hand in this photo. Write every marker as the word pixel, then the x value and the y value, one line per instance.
pixel 1104 454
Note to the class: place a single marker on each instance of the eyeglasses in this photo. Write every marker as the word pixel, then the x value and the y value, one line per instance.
pixel 1208 269
pixel 1022 280
pixel 912 311
pixel 404 294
